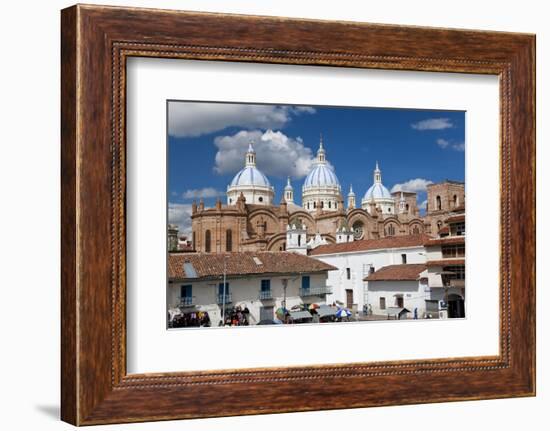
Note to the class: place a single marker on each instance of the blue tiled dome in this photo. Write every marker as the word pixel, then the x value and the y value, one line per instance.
pixel 377 191
pixel 250 176
pixel 320 176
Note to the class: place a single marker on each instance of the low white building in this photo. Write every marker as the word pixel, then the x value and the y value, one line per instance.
pixel 356 260
pixel 260 282
pixel 399 291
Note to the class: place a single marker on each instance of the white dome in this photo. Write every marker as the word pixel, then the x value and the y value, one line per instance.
pixel 250 176
pixel 377 191
pixel 321 175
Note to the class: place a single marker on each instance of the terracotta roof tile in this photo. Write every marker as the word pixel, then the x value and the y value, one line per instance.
pixel 449 240
pixel 371 244
pixel 211 265
pixel 456 218
pixel 446 262
pixel 397 273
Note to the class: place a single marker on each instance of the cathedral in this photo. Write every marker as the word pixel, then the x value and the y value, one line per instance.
pixel 251 221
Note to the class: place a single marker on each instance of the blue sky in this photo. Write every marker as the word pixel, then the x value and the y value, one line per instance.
pixel 207 143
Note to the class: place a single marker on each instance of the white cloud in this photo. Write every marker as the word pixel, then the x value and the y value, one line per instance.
pixel 180 215
pixel 443 143
pixel 276 154
pixel 433 124
pixel 199 118
pixel 457 146
pixel 206 192
pixel 414 185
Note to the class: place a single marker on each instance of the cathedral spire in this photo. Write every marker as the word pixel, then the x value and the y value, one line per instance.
pixel 289 192
pixel 377 174
pixel 250 159
pixel 351 198
pixel 321 151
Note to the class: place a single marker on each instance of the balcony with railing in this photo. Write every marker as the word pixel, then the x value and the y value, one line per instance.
pixel 266 294
pixel 228 298
pixel 186 301
pixel 315 291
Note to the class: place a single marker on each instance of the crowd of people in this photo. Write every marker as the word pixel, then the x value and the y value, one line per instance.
pixel 194 319
pixel 237 316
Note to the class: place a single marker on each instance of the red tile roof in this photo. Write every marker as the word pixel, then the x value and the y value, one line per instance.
pixel 211 265
pixel 371 244
pixel 397 273
pixel 456 218
pixel 446 262
pixel 449 240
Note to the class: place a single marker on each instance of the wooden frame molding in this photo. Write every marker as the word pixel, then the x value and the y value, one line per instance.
pixel 95 43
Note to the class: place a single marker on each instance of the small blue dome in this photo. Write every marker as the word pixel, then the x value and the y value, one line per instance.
pixel 377 191
pixel 250 176
pixel 320 176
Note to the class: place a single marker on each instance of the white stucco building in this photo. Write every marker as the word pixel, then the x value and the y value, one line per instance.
pixel 399 290
pixel 356 260
pixel 261 282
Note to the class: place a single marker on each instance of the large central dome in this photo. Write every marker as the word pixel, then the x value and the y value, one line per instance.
pixel 321 187
pixel 321 175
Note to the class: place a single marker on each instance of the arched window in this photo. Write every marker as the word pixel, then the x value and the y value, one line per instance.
pixel 407 207
pixel 335 205
pixel 299 240
pixel 438 202
pixel 329 204
pixel 314 204
pixel 228 240
pixel 194 243
pixel 416 231
pixel 455 201
pixel 322 204
pixel 391 230
pixel 207 241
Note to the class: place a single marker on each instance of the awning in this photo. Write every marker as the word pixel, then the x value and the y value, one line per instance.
pixel 325 310
pixel 396 310
pixel 300 315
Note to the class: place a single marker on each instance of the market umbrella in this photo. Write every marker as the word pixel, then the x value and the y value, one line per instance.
pixel 343 312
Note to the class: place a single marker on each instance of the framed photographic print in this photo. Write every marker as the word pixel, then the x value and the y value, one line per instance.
pixel 255 209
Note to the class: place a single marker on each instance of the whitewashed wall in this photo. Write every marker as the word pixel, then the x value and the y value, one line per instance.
pixel 246 292
pixel 356 262
pixel 414 295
